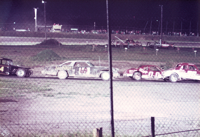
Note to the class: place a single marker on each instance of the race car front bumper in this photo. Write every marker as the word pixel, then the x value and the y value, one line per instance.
pixel 127 75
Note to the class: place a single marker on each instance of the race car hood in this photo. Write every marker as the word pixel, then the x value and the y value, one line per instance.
pixel 131 70
pixel 169 69
pixel 20 67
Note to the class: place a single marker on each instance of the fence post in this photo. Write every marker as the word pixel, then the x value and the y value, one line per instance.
pixel 152 126
pixel 97 132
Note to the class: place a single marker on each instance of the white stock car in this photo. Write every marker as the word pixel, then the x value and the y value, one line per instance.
pixel 80 69
pixel 182 71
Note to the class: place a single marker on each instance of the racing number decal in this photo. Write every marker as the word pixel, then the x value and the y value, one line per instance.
pixel 157 74
pixel 83 70
pixel 151 74
pixel 2 69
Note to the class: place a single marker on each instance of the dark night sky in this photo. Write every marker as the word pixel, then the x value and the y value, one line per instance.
pixel 86 12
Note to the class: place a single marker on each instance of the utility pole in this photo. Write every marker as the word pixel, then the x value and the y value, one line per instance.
pixel 158 27
pixel 173 26
pixel 150 27
pixel 181 27
pixel 145 27
pixel 197 29
pixel 35 11
pixel 110 69
pixel 94 25
pixel 161 23
pixel 44 2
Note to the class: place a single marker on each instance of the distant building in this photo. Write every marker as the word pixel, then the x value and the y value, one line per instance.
pixel 56 28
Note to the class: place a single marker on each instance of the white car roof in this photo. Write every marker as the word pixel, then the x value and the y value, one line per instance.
pixel 77 61
pixel 73 61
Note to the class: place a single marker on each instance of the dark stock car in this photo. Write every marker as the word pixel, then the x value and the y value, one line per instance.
pixel 150 72
pixel 164 44
pixel 7 68
pixel 126 43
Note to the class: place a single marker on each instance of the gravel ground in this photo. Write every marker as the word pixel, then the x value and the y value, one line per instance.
pixel 82 105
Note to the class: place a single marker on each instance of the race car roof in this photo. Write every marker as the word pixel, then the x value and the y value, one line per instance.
pixel 73 61
pixel 148 66
pixel 184 63
pixel 6 59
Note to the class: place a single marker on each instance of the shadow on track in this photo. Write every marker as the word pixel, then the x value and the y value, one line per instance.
pixel 96 79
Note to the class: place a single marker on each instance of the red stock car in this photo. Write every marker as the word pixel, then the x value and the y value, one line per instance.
pixel 182 71
pixel 149 72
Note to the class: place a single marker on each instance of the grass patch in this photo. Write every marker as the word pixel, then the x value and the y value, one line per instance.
pixel 46 55
pixel 99 36
pixel 52 42
pixel 132 54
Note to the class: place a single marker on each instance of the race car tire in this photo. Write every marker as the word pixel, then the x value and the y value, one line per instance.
pixel 62 74
pixel 165 79
pixel 105 76
pixel 21 72
pixel 173 77
pixel 28 73
pixel 137 76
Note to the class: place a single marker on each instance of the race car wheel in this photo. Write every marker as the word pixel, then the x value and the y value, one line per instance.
pixel 137 76
pixel 62 74
pixel 165 79
pixel 105 76
pixel 20 72
pixel 28 73
pixel 173 77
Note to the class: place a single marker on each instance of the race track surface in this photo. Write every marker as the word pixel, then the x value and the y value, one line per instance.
pixel 75 102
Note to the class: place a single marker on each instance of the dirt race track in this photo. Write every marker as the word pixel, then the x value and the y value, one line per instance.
pixel 81 105
pixel 46 106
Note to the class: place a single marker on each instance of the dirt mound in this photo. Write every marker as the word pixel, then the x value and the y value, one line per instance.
pixel 46 55
pixel 51 42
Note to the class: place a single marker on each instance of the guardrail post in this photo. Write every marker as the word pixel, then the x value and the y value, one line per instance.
pixel 178 49
pixel 97 132
pixel 152 126
pixel 157 51
pixel 195 53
